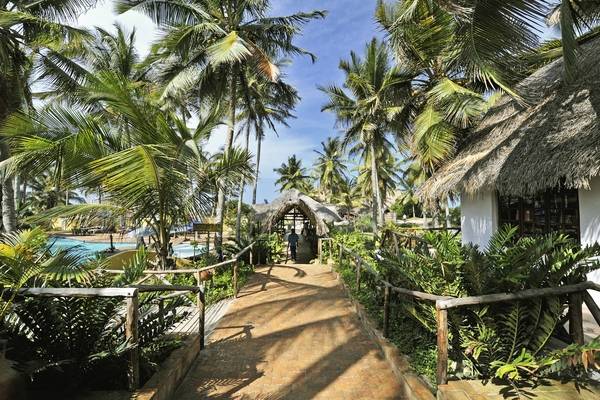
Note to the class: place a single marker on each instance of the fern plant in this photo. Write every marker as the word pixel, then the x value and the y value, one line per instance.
pixel 492 338
pixel 75 343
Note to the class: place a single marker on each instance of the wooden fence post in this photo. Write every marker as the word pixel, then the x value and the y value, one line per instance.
pixel 576 317
pixel 252 255
pixel 386 311
pixel 442 346
pixel 358 262
pixel 201 304
pixel 320 250
pixel 161 312
pixel 235 278
pixel 592 306
pixel 131 334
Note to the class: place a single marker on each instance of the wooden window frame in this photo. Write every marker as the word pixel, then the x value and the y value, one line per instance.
pixel 574 228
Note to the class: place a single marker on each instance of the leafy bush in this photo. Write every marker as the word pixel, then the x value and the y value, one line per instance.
pixel 499 339
pixel 67 344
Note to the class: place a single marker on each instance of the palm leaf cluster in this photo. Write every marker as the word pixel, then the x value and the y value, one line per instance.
pixel 486 338
pixel 292 175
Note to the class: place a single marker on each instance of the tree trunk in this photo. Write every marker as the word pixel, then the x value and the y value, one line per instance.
pixel 377 204
pixel 9 215
pixel 17 192
pixel 228 144
pixel 258 149
pixel 238 220
pixel 447 211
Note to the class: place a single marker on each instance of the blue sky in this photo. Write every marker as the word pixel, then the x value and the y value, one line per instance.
pixel 348 26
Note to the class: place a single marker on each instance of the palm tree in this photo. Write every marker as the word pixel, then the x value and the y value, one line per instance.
pixel 66 71
pixel 274 104
pixel 293 176
pixel 209 44
pixel 161 179
pixel 266 104
pixel 386 173
pixel 370 106
pixel 447 92
pixel 27 29
pixel 329 168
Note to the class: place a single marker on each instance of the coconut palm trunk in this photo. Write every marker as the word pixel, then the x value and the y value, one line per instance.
pixel 377 204
pixel 9 217
pixel 220 212
pixel 258 149
pixel 238 220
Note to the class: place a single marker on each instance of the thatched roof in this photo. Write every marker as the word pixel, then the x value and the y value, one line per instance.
pixel 521 150
pixel 319 214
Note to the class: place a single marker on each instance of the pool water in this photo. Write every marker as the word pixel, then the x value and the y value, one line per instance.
pixel 89 249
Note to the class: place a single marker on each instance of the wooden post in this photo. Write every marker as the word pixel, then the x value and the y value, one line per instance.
pixel 201 304
pixel 341 255
pixel 131 334
pixel 235 278
pixel 161 312
pixel 576 317
pixel 320 250
pixel 396 247
pixel 592 306
pixel 358 273
pixel 386 311
pixel 252 255
pixel 442 346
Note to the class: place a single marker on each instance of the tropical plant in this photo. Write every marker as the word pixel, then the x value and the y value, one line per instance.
pixel 386 172
pixel 209 44
pixel 330 169
pixel 369 107
pixel 27 30
pixel 66 71
pixel 27 260
pixel 69 344
pixel 484 339
pixel 162 179
pixel 412 177
pixel 265 104
pixel 447 86
pixel 292 175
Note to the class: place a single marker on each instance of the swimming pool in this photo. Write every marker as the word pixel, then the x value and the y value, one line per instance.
pixel 90 249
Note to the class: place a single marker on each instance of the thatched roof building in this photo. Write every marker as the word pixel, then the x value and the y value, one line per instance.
pixel 520 149
pixel 317 213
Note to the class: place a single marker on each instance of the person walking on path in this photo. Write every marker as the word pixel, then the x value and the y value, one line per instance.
pixel 293 243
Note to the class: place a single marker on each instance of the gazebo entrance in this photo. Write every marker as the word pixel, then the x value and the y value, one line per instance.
pixel 295 218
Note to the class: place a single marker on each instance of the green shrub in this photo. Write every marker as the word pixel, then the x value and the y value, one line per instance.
pixel 487 341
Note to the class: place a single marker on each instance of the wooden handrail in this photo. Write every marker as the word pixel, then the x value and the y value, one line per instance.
pixel 522 295
pixel 78 292
pixel 577 295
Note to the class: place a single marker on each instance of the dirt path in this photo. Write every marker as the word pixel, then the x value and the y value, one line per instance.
pixel 291 334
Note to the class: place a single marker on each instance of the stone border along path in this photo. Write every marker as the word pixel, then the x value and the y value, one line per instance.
pixel 291 334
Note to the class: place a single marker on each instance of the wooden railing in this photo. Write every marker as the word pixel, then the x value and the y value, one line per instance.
pixel 132 315
pixel 197 272
pixel 577 296
pixel 131 293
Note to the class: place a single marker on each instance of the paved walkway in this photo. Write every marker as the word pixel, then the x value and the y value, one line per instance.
pixel 291 334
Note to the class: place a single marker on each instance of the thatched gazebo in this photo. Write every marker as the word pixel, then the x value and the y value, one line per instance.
pixel 534 164
pixel 294 207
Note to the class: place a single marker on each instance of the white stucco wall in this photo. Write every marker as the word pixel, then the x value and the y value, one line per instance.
pixel 479 218
pixel 589 223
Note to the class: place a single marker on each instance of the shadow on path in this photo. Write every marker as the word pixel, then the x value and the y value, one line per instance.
pixel 290 335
